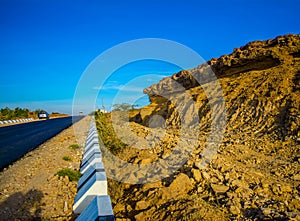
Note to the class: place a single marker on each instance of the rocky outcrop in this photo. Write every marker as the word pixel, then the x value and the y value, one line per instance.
pixel 255 56
pixel 260 83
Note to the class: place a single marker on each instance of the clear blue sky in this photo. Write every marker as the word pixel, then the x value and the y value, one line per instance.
pixel 45 46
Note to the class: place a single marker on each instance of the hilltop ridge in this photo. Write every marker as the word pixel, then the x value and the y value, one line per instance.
pixel 281 51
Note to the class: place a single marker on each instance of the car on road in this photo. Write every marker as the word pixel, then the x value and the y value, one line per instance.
pixel 43 115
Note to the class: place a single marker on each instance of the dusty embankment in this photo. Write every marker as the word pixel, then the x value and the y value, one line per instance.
pixel 30 190
pixel 255 173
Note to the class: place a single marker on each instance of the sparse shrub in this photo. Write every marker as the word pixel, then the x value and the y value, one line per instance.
pixel 74 146
pixel 73 175
pixel 67 158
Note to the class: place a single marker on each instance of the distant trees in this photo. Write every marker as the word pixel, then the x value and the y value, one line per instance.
pixel 115 107
pixel 124 107
pixel 5 111
pixel 21 113
pixel 10 114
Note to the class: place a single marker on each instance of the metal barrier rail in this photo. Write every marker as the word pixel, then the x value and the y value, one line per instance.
pixel 15 121
pixel 92 201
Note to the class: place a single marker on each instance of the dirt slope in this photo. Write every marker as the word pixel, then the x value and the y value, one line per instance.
pixel 256 171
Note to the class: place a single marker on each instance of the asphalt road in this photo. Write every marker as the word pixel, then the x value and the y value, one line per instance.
pixel 17 140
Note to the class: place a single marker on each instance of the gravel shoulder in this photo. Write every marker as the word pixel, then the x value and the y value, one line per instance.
pixel 30 188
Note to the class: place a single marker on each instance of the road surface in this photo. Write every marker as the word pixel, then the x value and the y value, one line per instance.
pixel 16 140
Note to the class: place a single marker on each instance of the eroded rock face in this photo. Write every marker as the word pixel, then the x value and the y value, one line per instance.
pixel 255 56
pixel 260 80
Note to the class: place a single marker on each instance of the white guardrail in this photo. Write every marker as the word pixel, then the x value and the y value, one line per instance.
pixel 16 121
pixel 92 201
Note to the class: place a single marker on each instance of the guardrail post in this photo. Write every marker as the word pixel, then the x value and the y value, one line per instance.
pixel 98 209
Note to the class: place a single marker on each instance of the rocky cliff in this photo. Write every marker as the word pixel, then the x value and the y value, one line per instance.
pixel 282 51
pixel 255 173
pixel 260 83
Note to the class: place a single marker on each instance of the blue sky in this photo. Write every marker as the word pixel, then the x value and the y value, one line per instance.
pixel 45 46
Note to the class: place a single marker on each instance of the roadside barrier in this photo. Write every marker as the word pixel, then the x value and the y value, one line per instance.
pixel 92 201
pixel 98 209
pixel 16 121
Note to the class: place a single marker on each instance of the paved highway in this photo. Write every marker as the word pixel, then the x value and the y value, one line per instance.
pixel 16 140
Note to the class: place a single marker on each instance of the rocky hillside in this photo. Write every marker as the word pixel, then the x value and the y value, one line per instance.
pixel 260 82
pixel 255 173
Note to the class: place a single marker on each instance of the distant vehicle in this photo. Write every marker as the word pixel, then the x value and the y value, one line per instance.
pixel 43 115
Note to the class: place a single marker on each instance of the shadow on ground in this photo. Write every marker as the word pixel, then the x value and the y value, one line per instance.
pixel 22 207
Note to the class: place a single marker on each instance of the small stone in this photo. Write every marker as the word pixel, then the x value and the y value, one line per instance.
pixel 200 164
pixel 140 216
pixel 141 205
pixel 266 212
pixel 227 176
pixel 196 175
pixel 180 185
pixel 145 161
pixel 219 189
pixel 239 190
pixel 231 195
pixel 128 208
pixel 165 155
pixel 239 183
pixel 277 173
pixel 214 180
pixel 156 184
pixel 234 210
pixel 296 177
pixel 275 190
pixel 119 207
pixel 286 188
pixel 59 193
pixel 200 189
pixel 65 206
pixel 205 175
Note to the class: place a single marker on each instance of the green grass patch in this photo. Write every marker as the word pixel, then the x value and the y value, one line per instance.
pixel 67 158
pixel 73 175
pixel 107 133
pixel 74 146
